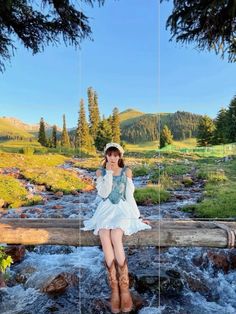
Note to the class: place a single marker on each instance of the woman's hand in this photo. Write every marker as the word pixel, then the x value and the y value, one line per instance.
pixel 146 221
pixel 108 166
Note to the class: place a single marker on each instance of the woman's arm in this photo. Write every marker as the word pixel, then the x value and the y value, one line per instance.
pixel 104 183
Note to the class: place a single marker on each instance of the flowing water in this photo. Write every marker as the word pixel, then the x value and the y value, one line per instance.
pixel 204 288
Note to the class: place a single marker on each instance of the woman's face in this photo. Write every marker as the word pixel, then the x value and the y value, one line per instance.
pixel 113 158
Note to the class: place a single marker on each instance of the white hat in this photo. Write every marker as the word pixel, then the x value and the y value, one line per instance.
pixel 116 145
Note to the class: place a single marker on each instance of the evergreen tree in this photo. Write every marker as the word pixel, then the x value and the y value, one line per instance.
pixel 209 24
pixel 93 112
pixel 222 127
pixel 165 137
pixel 206 130
pixel 54 136
pixel 46 22
pixel 104 134
pixel 41 135
pixel 65 141
pixel 83 139
pixel 115 125
pixel 232 121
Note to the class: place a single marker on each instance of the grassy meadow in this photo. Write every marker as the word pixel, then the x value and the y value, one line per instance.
pixel 166 169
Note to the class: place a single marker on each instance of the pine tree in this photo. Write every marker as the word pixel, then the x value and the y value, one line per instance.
pixel 37 27
pixel 65 141
pixel 206 130
pixel 104 134
pixel 94 117
pixel 232 121
pixel 97 118
pixel 115 125
pixel 165 137
pixel 208 24
pixel 42 136
pixel 222 128
pixel 83 139
pixel 54 136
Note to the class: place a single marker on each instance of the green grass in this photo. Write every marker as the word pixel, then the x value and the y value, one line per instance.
pixel 23 146
pixel 147 146
pixel 188 147
pixel 219 197
pixel 42 169
pixel 12 192
pixel 55 179
pixel 150 195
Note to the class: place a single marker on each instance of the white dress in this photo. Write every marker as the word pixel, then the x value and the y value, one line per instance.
pixel 124 213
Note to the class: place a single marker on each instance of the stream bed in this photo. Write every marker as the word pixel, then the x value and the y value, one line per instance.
pixel 190 279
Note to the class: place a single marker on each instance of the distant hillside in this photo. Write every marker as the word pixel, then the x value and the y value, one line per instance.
pixel 145 127
pixel 136 126
pixel 13 128
pixel 129 114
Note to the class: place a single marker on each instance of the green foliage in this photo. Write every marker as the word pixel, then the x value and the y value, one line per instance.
pixel 208 24
pixel 104 134
pixel 232 121
pixel 94 116
pixel 166 137
pixel 5 260
pixel 37 26
pixel 28 150
pixel 83 139
pixel 140 170
pixel 221 131
pixel 140 129
pixel 55 179
pixel 42 136
pixel 14 193
pixel 213 176
pixel 54 136
pixel 225 131
pixel 115 125
pixel 65 141
pixel 151 195
pixel 182 124
pixel 206 130
pixel 219 192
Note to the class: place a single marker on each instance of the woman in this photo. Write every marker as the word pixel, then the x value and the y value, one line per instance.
pixel 116 214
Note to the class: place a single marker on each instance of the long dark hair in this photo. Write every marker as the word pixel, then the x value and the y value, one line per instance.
pixel 109 151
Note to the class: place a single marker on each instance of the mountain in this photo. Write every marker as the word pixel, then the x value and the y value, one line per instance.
pixel 13 128
pixel 140 127
pixel 129 114
pixel 136 126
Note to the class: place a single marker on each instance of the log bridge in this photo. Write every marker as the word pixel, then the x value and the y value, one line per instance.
pixel 218 233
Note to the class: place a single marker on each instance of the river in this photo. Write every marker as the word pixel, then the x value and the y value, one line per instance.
pixel 189 282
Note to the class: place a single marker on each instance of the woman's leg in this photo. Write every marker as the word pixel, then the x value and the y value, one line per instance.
pixel 116 239
pixel 126 298
pixel 105 237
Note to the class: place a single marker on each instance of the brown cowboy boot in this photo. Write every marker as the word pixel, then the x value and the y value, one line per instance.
pixel 126 298
pixel 113 282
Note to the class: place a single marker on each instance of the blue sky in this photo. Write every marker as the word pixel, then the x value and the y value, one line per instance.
pixel 130 63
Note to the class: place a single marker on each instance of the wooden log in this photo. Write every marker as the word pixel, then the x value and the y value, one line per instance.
pixel 164 233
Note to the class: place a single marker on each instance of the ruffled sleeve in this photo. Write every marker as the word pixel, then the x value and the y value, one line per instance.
pixel 104 184
pixel 129 195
